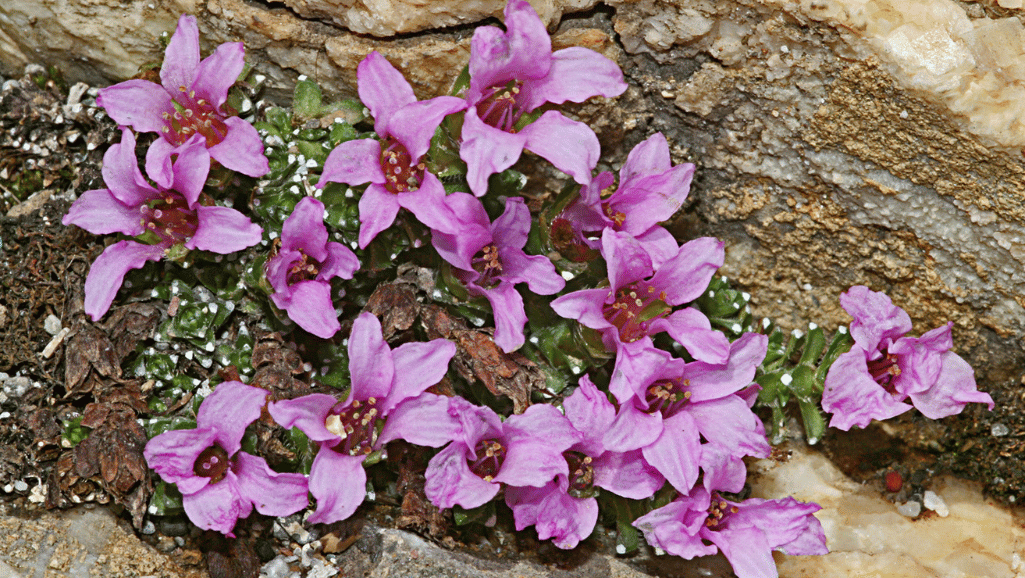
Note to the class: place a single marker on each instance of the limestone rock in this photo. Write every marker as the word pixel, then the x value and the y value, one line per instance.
pixel 839 142
pixel 79 543
pixel 391 17
pixel 867 536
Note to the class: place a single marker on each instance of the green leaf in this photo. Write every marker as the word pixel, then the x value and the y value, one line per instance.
pixel 814 344
pixel 628 538
pixel 481 515
pixel 166 500
pixel 462 81
pixel 74 432
pixel 814 421
pixel 306 100
pixel 280 118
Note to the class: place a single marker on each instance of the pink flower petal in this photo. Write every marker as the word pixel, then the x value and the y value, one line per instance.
pixel 217 73
pixel 382 88
pixel 340 262
pixel 569 145
pixel 100 213
pixel 370 360
pixel 510 317
pixel 108 272
pixel 676 452
pixel 229 410
pixel 353 162
pixel 576 75
pixel 308 413
pixel 522 51
pixel 487 150
pixel 304 229
pixel 418 366
pixel 424 421
pixel 137 103
pixel 272 493
pixel 311 308
pixel 122 175
pixel 242 149
pixel 181 58
pixel 450 481
pixel 217 506
pixel 191 168
pixel 223 230
pixel 414 124
pixel 173 455
pixel 377 211
pixel 853 397
pixel 627 474
pixel 339 483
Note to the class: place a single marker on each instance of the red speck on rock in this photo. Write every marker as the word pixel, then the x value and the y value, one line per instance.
pixel 894 482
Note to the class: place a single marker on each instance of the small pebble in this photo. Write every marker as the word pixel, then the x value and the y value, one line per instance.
pixel 52 324
pixel 20 486
pixel 17 386
pixel 910 509
pixel 999 430
pixel 276 568
pixel 149 527
pixel 935 503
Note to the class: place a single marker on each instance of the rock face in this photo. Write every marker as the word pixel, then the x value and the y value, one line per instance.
pixel 390 17
pixel 843 143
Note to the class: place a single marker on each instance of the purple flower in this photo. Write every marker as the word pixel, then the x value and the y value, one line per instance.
pixel 219 483
pixel 699 523
pixel 565 509
pixel 394 168
pixel 485 452
pixel 884 367
pixel 347 431
pixel 301 271
pixel 171 215
pixel 679 403
pixel 489 259
pixel 188 101
pixel 650 191
pixel 513 72
pixel 639 303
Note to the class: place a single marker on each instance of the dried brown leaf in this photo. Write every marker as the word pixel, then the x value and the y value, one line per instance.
pixel 478 358
pixel 88 349
pixel 396 306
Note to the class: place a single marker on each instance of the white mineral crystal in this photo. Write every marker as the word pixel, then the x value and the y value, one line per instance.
pixel 911 509
pixel 933 502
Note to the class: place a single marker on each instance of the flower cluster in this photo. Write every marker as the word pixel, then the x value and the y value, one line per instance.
pixel 885 367
pixel 670 418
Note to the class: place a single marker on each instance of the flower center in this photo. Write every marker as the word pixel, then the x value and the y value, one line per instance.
pixel 884 370
pixel 356 425
pixel 192 116
pixel 170 218
pixel 212 463
pixel 566 241
pixel 487 263
pixel 490 455
pixel 498 107
pixel 400 174
pixel 304 268
pixel 617 217
pixel 718 512
pixel 667 396
pixel 581 474
pixel 635 306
